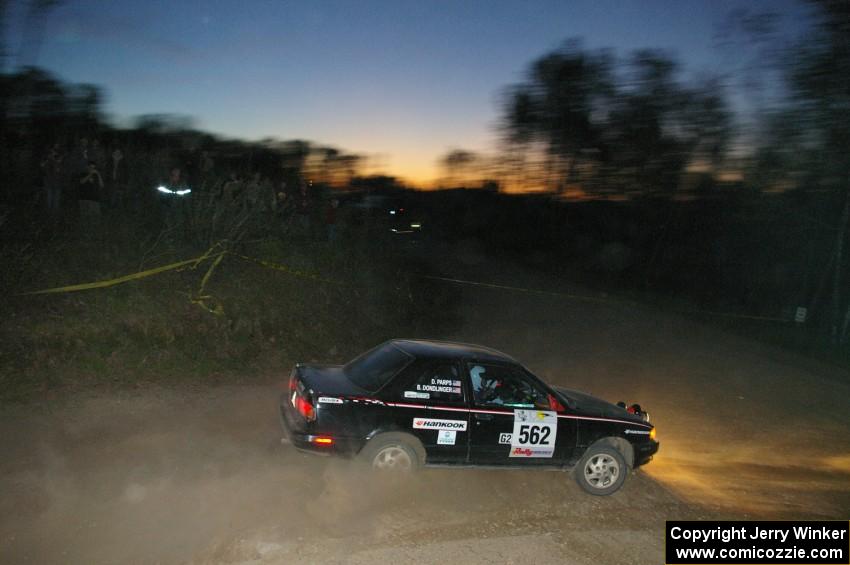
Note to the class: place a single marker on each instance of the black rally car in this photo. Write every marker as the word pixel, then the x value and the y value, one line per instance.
pixel 408 403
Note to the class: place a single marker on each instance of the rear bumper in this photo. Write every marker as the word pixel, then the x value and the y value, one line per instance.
pixel 299 439
pixel 304 440
pixel 644 452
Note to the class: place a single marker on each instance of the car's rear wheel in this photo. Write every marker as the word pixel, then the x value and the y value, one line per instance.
pixel 602 470
pixel 392 452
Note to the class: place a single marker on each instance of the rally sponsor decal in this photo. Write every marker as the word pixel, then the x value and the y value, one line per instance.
pixel 446 437
pixel 642 432
pixel 329 400
pixel 414 394
pixel 435 424
pixel 505 439
pixel 534 433
pixel 530 452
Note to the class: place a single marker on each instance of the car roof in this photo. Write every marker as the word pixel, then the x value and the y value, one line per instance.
pixel 425 348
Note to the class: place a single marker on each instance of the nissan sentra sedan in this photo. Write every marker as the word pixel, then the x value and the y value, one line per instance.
pixel 410 403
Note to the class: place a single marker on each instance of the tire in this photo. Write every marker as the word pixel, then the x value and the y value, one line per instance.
pixel 601 471
pixel 393 452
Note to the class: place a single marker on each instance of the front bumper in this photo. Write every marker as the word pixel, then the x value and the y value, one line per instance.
pixel 644 452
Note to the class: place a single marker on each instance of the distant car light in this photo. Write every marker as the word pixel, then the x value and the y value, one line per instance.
pixel 416 226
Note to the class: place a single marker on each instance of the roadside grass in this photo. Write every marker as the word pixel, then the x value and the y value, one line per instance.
pixel 149 331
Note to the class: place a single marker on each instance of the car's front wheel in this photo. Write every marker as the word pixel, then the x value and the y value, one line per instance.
pixel 392 452
pixel 602 470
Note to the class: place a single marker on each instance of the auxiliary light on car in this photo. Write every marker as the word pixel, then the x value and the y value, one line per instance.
pixel 652 434
pixel 322 440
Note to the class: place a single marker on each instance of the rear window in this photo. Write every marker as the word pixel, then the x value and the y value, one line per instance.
pixel 372 370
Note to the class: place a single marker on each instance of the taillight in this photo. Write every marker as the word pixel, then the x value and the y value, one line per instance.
pixel 304 408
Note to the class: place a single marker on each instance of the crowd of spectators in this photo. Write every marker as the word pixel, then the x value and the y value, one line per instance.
pixel 87 181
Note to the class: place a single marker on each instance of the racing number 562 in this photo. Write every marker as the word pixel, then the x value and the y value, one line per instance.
pixel 534 435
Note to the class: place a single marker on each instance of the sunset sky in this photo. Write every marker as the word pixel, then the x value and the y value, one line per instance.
pixel 400 81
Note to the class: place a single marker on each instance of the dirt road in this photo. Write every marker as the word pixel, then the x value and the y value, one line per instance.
pixel 198 476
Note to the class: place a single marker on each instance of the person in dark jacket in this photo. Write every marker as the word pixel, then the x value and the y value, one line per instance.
pixel 52 166
pixel 90 192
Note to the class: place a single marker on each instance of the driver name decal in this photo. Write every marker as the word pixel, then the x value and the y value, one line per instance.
pixel 449 386
pixel 534 433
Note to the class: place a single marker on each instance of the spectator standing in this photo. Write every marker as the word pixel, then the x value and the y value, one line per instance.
pixel 52 168
pixel 331 218
pixel 303 210
pixel 283 207
pixel 174 201
pixel 97 154
pixel 251 193
pixel 206 167
pixel 90 191
pixel 79 158
pixel 232 188
pixel 117 178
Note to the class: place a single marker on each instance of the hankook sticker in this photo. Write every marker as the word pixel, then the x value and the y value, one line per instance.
pixel 414 394
pixel 329 400
pixel 435 424
pixel 642 432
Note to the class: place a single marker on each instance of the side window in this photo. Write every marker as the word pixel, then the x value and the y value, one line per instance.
pixel 500 386
pixel 437 382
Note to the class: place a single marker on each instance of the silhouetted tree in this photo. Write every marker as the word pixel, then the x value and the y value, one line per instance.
pixel 456 163
pixel 611 126
pixel 561 107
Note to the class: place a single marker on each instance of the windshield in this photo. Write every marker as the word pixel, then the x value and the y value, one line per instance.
pixel 372 370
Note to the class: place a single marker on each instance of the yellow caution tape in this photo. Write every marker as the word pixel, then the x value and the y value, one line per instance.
pixel 121 280
pixel 285 269
pixel 520 289
pixel 200 297
pixel 597 298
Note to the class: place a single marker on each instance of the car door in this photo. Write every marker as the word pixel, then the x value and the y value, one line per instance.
pixel 429 401
pixel 514 418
